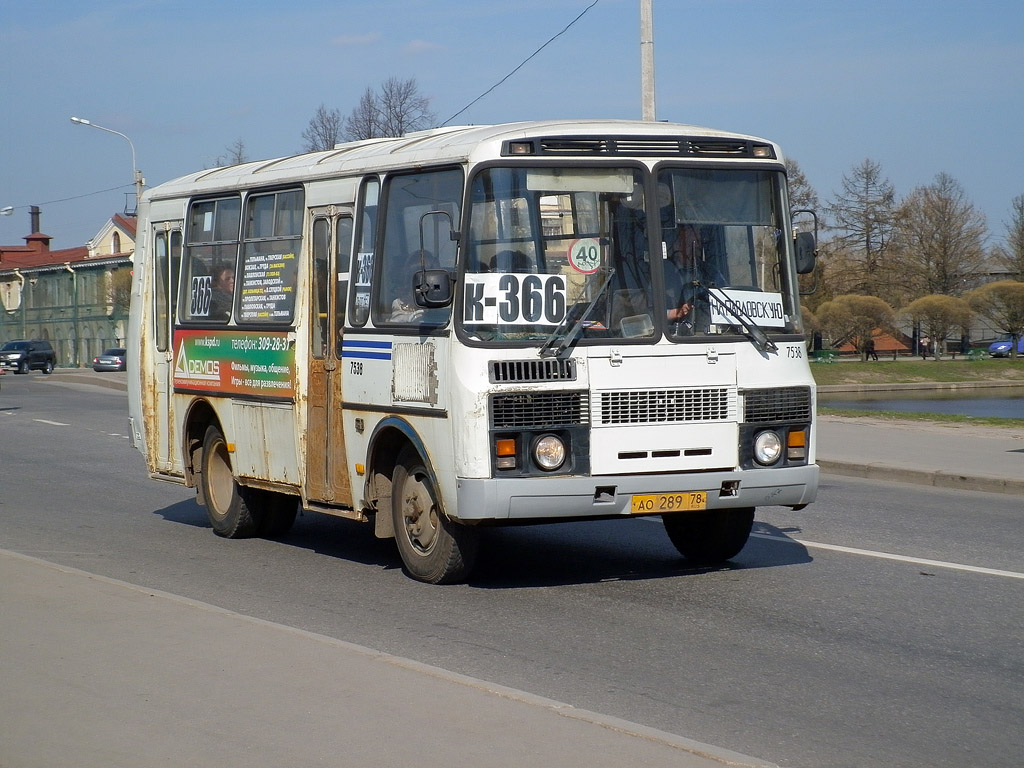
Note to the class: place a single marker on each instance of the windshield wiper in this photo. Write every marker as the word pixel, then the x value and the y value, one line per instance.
pixel 751 329
pixel 564 341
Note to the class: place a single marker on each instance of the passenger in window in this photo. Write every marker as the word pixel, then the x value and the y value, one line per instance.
pixel 223 293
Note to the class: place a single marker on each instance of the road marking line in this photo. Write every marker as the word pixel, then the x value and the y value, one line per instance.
pixel 52 423
pixel 890 556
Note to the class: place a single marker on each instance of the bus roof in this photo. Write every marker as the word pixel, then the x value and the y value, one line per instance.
pixel 553 138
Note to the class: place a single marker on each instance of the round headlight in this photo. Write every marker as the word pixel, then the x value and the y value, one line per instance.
pixel 767 447
pixel 549 452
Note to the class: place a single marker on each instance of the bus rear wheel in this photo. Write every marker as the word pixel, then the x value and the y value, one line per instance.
pixel 706 538
pixel 433 548
pixel 227 504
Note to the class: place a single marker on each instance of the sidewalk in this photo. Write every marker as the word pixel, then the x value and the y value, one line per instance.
pixel 97 673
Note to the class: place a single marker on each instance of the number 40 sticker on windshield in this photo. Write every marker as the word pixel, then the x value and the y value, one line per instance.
pixel 585 255
pixel 514 299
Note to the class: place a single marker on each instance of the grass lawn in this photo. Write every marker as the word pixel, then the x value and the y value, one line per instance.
pixel 909 371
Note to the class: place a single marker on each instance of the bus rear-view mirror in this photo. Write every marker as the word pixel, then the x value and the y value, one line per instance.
pixel 806 252
pixel 433 288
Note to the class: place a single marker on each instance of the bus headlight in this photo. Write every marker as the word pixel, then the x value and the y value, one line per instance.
pixel 767 447
pixel 549 452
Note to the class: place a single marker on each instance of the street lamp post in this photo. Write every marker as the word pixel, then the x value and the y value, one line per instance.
pixel 136 173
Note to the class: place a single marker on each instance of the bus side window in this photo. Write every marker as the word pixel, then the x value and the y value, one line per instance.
pixel 342 264
pixel 161 273
pixel 321 285
pixel 422 211
pixel 211 251
pixel 362 266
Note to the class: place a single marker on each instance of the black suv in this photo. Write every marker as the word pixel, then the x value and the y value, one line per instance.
pixel 23 355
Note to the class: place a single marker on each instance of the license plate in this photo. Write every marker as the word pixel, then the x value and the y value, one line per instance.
pixel 659 503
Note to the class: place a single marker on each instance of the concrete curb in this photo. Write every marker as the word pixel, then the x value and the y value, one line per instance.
pixel 935 479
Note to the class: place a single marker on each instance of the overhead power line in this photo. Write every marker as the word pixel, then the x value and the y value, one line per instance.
pixel 522 63
pixel 76 197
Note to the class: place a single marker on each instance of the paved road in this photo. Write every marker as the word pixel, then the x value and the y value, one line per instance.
pixel 801 654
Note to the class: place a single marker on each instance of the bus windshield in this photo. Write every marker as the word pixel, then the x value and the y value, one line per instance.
pixel 556 252
pixel 724 252
pixel 550 248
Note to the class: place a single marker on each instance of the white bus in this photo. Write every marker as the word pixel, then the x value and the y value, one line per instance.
pixel 475 326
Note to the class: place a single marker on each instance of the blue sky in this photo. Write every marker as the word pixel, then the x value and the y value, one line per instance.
pixel 919 87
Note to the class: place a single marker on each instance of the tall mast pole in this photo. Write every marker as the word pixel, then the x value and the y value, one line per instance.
pixel 647 59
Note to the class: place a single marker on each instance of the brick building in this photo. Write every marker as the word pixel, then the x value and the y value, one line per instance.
pixel 76 298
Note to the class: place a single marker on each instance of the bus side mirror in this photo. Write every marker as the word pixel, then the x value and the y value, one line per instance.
pixel 806 252
pixel 433 288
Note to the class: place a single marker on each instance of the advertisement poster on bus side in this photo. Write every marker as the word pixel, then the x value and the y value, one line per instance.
pixel 235 363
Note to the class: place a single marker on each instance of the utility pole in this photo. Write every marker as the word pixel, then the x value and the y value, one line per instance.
pixel 647 59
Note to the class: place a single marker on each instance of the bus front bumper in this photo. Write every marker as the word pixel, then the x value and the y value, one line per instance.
pixel 564 498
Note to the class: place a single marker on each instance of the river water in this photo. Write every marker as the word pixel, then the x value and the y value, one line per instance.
pixel 1007 402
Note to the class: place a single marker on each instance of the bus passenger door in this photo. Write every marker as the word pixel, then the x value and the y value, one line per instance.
pixel 161 425
pixel 327 478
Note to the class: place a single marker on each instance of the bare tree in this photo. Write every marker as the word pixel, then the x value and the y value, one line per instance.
pixel 864 212
pixel 119 290
pixel 364 120
pixel 396 109
pixel 323 131
pixel 940 239
pixel 237 152
pixel 234 154
pixel 1011 256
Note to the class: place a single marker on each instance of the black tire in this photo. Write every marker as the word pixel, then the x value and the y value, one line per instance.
pixel 227 504
pixel 48 368
pixel 706 538
pixel 277 512
pixel 23 367
pixel 433 548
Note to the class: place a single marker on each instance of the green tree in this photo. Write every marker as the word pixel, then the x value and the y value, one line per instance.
pixel 940 239
pixel 938 315
pixel 853 318
pixel 1002 304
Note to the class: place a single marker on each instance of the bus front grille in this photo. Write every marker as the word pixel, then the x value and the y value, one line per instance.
pixel 666 406
pixel 544 410
pixel 782 404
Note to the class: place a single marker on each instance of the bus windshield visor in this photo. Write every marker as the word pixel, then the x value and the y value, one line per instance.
pixel 554 249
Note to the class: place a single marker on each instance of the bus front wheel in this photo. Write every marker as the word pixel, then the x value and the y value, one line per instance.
pixel 433 548
pixel 706 538
pixel 226 502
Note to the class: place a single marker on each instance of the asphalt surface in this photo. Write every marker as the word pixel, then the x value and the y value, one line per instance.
pixel 115 665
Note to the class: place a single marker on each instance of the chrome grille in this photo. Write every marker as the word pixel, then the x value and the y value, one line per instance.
pixel 561 369
pixel 544 410
pixel 785 404
pixel 663 406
